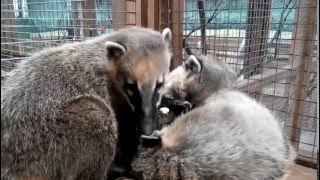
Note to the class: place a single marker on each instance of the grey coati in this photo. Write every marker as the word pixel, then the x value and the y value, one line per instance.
pixel 197 78
pixel 185 90
pixel 68 112
pixel 227 135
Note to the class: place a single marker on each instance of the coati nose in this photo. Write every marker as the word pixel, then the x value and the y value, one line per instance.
pixel 147 129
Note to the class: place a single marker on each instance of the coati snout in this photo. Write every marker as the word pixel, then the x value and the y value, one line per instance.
pixel 140 79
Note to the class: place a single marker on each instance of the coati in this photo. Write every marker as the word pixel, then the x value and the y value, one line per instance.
pixel 186 85
pixel 227 136
pixel 196 79
pixel 66 110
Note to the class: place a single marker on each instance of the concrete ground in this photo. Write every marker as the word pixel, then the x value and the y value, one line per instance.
pixel 302 173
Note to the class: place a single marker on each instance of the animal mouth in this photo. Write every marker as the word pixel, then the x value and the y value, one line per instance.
pixel 147 129
pixel 150 141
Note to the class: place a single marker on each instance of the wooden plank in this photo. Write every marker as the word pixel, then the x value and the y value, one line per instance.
pixel 164 14
pixel 147 14
pixel 119 16
pixel 89 15
pixel 144 13
pixel 176 25
pixel 302 47
pixel 138 12
pixel 307 162
pixel 156 22
pixel 131 15
pixel 256 82
pixel 152 15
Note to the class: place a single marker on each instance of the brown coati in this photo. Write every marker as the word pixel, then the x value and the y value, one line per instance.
pixel 66 109
pixel 227 136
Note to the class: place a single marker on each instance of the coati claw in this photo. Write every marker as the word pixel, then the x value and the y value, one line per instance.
pixel 187 105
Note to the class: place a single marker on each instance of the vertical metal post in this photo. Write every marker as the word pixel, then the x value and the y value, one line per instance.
pixel 202 16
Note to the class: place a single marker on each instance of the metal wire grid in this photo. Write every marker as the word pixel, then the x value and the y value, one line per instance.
pixel 271 73
pixel 257 38
pixel 28 26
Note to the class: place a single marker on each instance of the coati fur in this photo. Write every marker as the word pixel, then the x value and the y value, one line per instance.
pixel 169 109
pixel 227 136
pixel 68 112
pixel 197 78
pixel 186 85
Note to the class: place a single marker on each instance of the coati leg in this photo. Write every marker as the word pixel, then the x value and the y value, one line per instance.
pixel 93 136
pixel 128 141
pixel 79 144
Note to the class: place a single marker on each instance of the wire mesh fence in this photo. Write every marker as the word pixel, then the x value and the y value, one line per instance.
pixel 271 44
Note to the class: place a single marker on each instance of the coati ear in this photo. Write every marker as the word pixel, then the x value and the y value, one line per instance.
pixel 192 64
pixel 167 35
pixel 114 50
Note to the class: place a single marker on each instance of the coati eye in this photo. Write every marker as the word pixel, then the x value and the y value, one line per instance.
pixel 129 92
pixel 130 87
pixel 159 84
